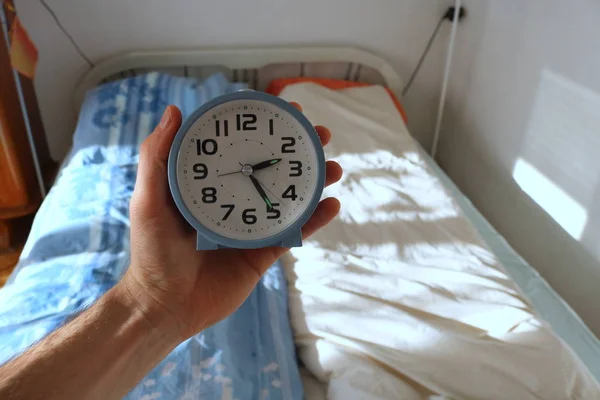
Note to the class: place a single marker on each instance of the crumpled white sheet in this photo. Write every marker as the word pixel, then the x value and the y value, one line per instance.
pixel 399 298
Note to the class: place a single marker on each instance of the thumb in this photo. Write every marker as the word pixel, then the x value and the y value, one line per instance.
pixel 154 151
pixel 152 181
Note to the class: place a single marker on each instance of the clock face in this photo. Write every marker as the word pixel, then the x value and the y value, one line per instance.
pixel 247 169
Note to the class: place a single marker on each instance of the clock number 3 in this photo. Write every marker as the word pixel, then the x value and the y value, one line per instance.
pixel 296 168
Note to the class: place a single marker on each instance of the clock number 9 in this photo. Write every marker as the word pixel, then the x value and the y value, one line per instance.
pixel 209 195
pixel 296 168
pixel 201 170
pixel 249 219
pixel 208 147
pixel 291 142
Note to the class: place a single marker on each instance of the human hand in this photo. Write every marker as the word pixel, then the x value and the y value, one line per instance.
pixel 179 288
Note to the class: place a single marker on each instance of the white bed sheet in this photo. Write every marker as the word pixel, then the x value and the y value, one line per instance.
pixel 400 297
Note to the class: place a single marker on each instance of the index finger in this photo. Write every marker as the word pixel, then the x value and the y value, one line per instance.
pixel 324 133
pixel 298 106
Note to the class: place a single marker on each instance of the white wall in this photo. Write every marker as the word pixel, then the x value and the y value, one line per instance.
pixel 521 135
pixel 397 30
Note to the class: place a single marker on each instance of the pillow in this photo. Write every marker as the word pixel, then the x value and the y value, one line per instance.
pixel 276 86
pixel 124 112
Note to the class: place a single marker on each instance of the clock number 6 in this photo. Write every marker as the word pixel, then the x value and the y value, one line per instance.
pixel 249 219
pixel 208 147
pixel 296 168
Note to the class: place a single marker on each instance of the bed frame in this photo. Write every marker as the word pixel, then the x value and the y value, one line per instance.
pixel 255 66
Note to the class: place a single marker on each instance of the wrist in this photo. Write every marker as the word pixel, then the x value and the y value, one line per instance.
pixel 142 307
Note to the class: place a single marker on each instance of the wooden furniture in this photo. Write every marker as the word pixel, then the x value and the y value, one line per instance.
pixel 20 189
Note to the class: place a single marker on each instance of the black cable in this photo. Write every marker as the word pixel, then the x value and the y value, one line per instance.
pixel 64 30
pixel 418 67
pixel 449 15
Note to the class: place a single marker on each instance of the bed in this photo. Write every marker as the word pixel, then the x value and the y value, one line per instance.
pixel 409 294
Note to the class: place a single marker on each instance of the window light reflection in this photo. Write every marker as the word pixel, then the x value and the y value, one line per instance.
pixel 569 214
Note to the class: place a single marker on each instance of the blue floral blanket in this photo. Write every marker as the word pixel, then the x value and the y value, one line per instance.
pixel 79 248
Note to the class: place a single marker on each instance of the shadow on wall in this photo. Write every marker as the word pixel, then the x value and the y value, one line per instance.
pixel 547 220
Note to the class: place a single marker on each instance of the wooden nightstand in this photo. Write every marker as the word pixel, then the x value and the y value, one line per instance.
pixel 13 233
pixel 8 260
pixel 24 154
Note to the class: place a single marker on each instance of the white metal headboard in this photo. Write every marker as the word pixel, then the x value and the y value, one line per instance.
pixel 249 60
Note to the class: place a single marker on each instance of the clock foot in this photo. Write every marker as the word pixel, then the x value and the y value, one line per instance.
pixel 204 244
pixel 293 240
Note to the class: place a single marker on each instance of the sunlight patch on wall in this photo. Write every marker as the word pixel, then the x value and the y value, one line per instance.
pixel 558 165
pixel 562 138
pixel 565 210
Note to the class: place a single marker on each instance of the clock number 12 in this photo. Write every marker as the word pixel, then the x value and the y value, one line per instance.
pixel 248 124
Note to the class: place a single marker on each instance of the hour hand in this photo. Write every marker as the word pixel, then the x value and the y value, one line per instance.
pixel 261 192
pixel 265 164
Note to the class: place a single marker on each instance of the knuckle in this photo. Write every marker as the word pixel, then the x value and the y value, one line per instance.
pixel 146 146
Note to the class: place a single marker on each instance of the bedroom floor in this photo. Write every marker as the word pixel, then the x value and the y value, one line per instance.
pixel 13 233
pixel 8 261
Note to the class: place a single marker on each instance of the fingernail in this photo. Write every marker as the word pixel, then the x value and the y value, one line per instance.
pixel 166 119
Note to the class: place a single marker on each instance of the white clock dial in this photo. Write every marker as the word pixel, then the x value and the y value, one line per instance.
pixel 254 203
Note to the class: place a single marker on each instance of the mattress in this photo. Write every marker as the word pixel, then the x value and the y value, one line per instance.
pixel 548 304
pixel 410 293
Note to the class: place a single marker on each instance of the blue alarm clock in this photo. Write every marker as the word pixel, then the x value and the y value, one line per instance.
pixel 247 170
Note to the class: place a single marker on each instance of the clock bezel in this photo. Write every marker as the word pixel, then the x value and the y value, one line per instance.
pixel 293 229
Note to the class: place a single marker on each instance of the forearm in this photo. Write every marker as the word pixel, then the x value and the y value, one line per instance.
pixel 101 354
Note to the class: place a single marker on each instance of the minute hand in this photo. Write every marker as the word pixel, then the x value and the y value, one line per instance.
pixel 261 192
pixel 265 164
